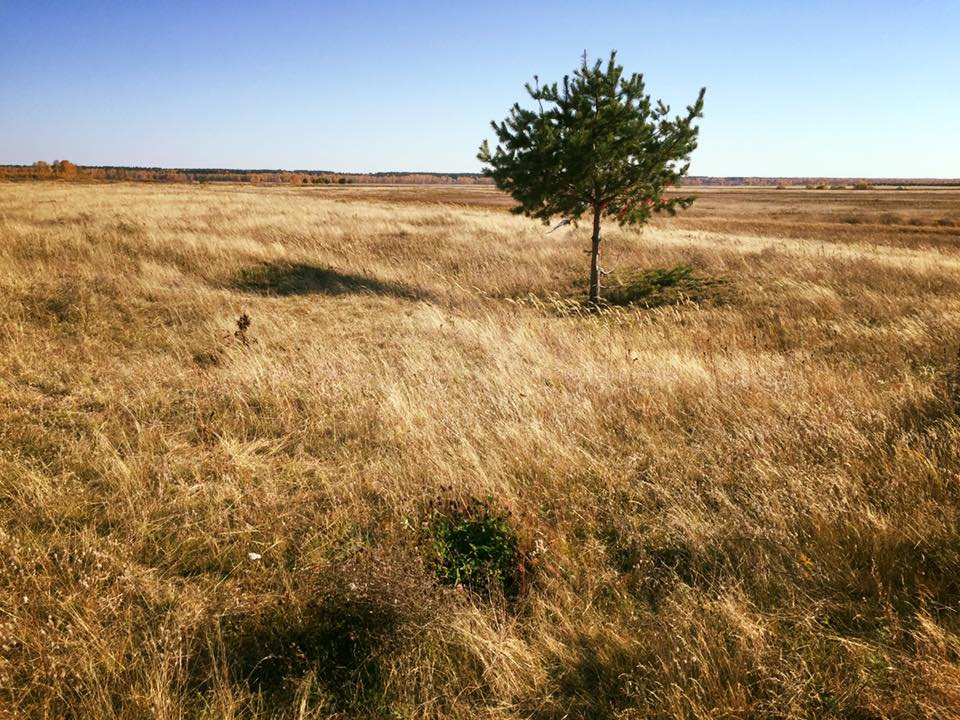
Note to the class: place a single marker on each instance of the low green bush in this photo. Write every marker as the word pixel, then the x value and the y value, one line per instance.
pixel 475 546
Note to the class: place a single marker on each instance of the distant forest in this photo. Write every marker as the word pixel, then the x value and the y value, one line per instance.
pixel 66 170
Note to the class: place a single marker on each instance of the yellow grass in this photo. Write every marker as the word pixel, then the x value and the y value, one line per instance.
pixel 744 507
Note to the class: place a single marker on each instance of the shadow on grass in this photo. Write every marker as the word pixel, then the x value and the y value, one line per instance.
pixel 282 279
pixel 337 639
pixel 337 646
pixel 666 286
pixel 593 683
pixel 343 643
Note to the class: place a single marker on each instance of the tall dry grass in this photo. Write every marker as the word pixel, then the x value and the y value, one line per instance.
pixel 745 507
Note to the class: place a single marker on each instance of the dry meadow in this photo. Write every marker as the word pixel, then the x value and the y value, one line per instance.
pixel 738 497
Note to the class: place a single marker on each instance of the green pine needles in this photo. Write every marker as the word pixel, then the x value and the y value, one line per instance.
pixel 595 144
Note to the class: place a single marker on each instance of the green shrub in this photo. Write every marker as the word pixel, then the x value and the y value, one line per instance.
pixel 474 545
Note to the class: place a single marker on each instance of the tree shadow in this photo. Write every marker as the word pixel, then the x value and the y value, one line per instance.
pixel 284 279
pixel 659 287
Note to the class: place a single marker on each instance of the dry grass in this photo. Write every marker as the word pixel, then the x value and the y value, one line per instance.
pixel 746 507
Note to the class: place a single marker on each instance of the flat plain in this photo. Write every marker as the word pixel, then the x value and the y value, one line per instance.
pixel 735 494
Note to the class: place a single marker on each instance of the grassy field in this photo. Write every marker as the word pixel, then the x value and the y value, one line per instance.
pixel 737 497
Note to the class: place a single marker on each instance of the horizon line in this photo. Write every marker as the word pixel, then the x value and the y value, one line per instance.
pixel 469 173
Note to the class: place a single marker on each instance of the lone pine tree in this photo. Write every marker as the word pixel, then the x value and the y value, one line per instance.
pixel 596 144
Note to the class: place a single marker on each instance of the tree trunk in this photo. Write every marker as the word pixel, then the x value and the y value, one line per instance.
pixel 595 258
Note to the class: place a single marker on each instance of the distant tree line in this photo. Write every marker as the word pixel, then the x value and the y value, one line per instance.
pixel 66 170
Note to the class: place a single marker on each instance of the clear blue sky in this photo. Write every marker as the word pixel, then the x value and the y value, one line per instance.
pixel 838 88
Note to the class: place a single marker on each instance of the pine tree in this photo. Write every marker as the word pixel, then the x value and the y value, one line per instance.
pixel 597 145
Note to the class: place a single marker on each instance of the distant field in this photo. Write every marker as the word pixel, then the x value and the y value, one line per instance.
pixel 928 215
pixel 738 497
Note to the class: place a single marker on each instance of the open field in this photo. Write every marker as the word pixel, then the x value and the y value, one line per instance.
pixel 912 215
pixel 737 499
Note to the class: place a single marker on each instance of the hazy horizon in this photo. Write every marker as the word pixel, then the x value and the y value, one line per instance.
pixel 813 91
pixel 415 171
